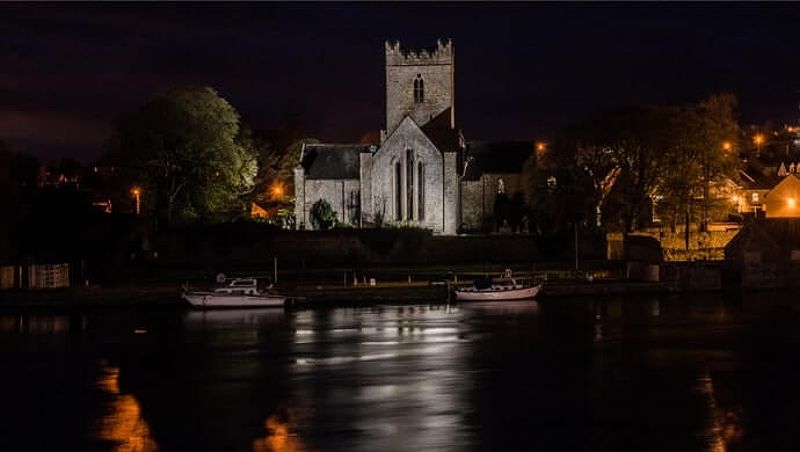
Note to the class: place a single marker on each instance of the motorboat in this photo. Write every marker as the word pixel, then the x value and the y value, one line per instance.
pixel 238 293
pixel 486 289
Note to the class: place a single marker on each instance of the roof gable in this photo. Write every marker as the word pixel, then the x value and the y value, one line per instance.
pixel 407 127
pixel 790 183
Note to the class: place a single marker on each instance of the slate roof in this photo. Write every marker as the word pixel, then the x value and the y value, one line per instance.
pixel 496 157
pixel 333 161
pixel 444 137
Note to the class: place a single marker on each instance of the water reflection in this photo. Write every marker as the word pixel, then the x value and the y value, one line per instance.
pixel 370 376
pixel 280 436
pixel 121 423
pixel 636 373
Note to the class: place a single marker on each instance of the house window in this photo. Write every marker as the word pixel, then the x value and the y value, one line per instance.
pixel 409 184
pixel 419 90
pixel 398 191
pixel 755 197
pixel 421 190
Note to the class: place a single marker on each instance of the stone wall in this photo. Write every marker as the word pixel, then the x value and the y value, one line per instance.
pixel 342 194
pixel 452 213
pixel 394 149
pixel 478 197
pixel 435 68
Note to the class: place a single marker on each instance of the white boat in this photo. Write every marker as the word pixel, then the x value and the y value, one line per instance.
pixel 488 290
pixel 239 293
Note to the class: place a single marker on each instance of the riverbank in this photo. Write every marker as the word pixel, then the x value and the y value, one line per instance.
pixel 163 294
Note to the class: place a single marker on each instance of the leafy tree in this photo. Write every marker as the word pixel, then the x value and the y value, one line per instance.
pixel 186 148
pixel 323 216
pixel 681 155
pixel 700 145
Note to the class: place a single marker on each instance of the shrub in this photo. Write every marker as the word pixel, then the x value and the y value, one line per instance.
pixel 323 217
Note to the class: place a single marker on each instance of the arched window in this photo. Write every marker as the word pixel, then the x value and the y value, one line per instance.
pixel 398 191
pixel 421 190
pixel 409 184
pixel 419 90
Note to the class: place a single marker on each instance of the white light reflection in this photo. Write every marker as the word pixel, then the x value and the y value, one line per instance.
pixel 399 371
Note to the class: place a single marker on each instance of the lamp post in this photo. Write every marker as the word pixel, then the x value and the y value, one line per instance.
pixel 137 194
pixel 758 139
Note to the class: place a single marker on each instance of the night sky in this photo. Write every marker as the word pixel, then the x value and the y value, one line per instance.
pixel 522 70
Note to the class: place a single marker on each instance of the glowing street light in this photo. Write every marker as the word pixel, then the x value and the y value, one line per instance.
pixel 277 190
pixel 137 194
pixel 541 146
pixel 727 146
pixel 758 139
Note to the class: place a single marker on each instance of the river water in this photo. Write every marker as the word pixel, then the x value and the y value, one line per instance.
pixel 711 372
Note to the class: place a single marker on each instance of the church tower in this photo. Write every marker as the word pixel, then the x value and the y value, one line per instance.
pixel 419 84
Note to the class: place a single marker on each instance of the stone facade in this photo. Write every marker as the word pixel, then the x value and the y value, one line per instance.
pixel 416 175
pixel 429 72
pixel 478 198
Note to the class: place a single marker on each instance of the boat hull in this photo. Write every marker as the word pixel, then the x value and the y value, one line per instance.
pixel 497 294
pixel 207 300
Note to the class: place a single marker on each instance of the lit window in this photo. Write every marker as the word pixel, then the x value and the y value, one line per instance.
pixel 755 197
pixel 790 202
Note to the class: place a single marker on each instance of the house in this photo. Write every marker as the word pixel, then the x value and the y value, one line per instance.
pixel 766 254
pixel 783 200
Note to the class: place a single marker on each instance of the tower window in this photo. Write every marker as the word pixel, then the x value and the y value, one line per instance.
pixel 419 90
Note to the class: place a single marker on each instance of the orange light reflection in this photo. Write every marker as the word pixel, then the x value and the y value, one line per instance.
pixel 122 423
pixel 279 437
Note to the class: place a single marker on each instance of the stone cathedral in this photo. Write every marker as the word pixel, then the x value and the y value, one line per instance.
pixel 423 172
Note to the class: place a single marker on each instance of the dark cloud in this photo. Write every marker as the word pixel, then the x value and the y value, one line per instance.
pixel 522 69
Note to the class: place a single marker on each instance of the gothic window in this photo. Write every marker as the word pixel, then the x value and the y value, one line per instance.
pixel 409 184
pixel 398 191
pixel 419 90
pixel 421 190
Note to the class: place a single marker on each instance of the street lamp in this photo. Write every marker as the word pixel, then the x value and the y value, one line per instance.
pixel 727 146
pixel 540 146
pixel 277 190
pixel 137 194
pixel 758 139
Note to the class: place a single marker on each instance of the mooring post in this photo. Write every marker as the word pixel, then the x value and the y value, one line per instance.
pixel 274 269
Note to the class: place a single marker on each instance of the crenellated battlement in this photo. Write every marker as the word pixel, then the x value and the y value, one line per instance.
pixel 396 55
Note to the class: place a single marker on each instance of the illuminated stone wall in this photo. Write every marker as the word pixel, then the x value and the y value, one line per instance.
pixel 437 70
pixel 407 136
pixel 342 194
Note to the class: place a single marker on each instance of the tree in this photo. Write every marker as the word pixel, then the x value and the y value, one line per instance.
pixel 322 215
pixel 627 158
pixel 186 148
pixel 700 145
